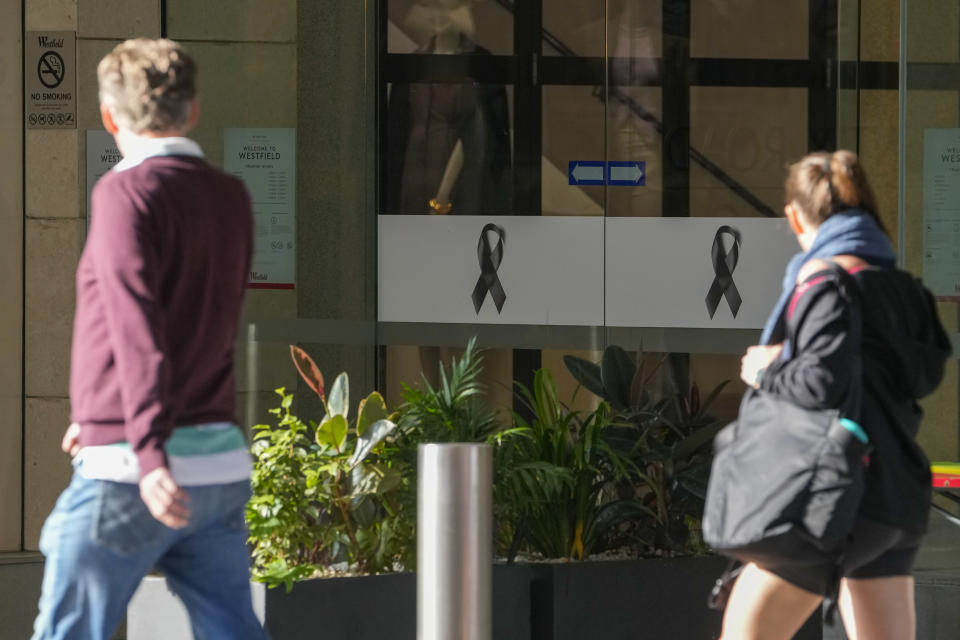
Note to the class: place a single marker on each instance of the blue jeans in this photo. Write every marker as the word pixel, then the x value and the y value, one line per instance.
pixel 100 540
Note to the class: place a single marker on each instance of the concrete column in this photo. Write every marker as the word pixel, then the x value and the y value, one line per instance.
pixel 336 150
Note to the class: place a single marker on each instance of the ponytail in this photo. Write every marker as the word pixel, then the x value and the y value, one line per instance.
pixel 823 183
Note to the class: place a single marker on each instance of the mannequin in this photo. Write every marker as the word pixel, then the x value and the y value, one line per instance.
pixel 448 145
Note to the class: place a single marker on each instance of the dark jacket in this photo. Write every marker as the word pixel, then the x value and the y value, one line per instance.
pixel 904 350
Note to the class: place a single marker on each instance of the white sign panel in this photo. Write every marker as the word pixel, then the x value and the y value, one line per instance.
pixel 102 155
pixel 265 160
pixel 547 271
pixel 582 271
pixel 941 211
pixel 662 272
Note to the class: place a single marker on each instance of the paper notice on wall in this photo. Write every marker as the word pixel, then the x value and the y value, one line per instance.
pixel 102 155
pixel 265 160
pixel 941 212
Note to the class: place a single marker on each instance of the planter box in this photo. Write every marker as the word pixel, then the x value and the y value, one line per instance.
pixel 632 600
pixel 361 608
pixel 566 601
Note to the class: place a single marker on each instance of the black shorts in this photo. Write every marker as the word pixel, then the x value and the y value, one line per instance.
pixel 875 551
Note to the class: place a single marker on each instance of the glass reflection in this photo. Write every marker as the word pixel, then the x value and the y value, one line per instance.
pixel 414 25
pixel 448 149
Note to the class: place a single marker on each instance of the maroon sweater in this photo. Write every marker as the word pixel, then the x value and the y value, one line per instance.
pixel 160 287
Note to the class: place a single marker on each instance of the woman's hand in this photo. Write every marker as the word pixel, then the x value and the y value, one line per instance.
pixel 756 361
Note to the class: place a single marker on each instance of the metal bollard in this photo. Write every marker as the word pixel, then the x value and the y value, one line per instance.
pixel 454 542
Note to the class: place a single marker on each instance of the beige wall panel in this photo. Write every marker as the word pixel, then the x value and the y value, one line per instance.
pixel 751 133
pixel 51 15
pixel 53 249
pixel 52 173
pixel 879 151
pixel 880 30
pixel 11 263
pixel 11 295
pixel 243 85
pixel 749 29
pixel 89 54
pixel 932 31
pixel 121 20
pixel 232 20
pixel 10 483
pixel 48 469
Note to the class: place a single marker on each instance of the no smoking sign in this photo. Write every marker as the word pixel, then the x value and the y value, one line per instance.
pixel 51 79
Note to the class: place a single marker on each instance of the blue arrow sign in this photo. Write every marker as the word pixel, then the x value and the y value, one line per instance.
pixel 630 173
pixel 583 173
pixel 627 174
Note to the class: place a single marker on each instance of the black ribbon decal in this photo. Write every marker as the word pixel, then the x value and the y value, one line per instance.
pixel 490 259
pixel 724 263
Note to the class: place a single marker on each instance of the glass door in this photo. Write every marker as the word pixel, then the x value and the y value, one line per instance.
pixel 929 226
pixel 610 141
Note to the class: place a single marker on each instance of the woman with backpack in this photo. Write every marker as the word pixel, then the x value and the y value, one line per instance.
pixel 880 347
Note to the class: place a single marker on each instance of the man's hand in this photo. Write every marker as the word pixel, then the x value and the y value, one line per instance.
pixel 166 501
pixel 69 442
pixel 756 360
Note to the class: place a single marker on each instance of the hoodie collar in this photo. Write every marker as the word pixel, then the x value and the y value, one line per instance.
pixel 143 148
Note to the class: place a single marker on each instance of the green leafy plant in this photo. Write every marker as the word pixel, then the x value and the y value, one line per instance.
pixel 454 411
pixel 324 493
pixel 557 476
pixel 667 439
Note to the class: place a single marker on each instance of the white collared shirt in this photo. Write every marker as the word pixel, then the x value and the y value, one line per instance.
pixel 139 148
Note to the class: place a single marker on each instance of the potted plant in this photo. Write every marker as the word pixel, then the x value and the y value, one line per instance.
pixel 660 446
pixel 333 516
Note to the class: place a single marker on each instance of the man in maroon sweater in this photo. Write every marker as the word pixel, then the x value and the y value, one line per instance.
pixel 161 471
